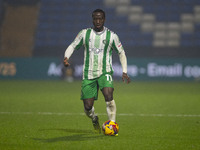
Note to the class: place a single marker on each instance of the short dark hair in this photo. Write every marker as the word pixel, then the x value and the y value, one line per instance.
pixel 99 10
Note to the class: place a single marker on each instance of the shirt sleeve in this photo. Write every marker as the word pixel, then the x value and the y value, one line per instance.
pixel 76 44
pixel 123 60
pixel 78 41
pixel 117 45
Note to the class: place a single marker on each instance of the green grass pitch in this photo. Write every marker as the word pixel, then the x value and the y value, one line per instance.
pixel 48 115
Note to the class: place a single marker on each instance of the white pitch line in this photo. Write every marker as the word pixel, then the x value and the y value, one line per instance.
pixel 160 115
pixel 101 114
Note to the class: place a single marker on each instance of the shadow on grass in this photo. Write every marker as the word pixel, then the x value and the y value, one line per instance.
pixel 70 130
pixel 79 135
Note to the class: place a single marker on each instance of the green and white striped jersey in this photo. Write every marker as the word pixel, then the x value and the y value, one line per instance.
pixel 98 51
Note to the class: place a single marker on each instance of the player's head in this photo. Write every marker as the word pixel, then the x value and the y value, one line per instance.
pixel 98 17
pixel 99 11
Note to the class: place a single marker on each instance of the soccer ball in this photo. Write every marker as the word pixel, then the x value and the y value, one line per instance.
pixel 110 128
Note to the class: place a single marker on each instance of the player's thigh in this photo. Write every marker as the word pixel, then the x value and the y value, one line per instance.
pixel 89 89
pixel 108 93
pixel 105 80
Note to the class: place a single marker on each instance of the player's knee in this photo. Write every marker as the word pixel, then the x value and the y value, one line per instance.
pixel 108 93
pixel 108 98
pixel 87 107
pixel 88 104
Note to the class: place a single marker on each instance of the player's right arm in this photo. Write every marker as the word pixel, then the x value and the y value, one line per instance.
pixel 76 44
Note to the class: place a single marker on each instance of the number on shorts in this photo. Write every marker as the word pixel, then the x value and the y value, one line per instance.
pixel 109 77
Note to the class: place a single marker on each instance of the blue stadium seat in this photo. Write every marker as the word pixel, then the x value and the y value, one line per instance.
pixel 60 21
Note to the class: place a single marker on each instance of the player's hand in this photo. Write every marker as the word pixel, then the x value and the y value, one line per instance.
pixel 65 62
pixel 125 77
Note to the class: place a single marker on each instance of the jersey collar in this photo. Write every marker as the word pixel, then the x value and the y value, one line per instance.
pixel 99 33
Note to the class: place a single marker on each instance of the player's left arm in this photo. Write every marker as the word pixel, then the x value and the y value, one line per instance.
pixel 122 57
pixel 123 60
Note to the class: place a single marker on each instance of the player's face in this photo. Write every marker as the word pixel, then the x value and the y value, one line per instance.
pixel 98 21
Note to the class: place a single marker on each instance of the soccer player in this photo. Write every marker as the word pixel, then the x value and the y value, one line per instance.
pixel 99 43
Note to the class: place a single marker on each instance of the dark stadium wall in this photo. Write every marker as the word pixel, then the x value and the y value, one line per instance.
pixel 18 28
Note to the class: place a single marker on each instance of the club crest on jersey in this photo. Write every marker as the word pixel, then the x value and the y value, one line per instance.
pixel 105 41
